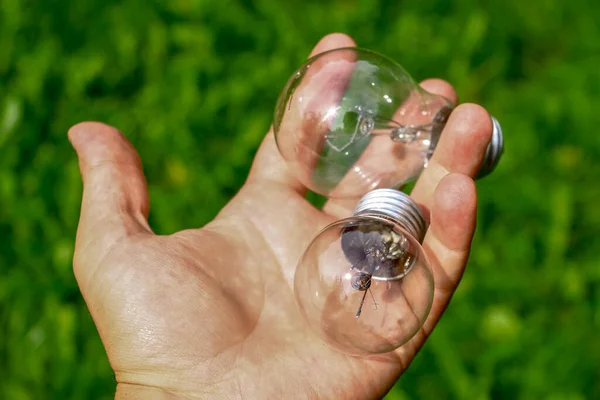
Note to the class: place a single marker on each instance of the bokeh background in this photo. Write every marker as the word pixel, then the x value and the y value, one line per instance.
pixel 193 84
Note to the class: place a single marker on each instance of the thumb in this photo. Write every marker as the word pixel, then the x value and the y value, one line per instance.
pixel 115 201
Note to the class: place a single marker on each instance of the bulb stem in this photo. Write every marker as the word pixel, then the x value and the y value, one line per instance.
pixel 397 206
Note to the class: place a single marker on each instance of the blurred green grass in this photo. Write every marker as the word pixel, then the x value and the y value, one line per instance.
pixel 193 84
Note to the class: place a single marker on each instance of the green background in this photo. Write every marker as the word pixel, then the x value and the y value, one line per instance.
pixel 193 84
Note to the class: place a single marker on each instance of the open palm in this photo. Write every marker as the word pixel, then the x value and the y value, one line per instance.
pixel 210 312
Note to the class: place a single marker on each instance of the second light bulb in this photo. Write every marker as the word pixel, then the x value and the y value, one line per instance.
pixel 350 120
pixel 364 284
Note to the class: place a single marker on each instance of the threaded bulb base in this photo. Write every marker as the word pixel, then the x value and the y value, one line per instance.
pixel 397 206
pixel 493 151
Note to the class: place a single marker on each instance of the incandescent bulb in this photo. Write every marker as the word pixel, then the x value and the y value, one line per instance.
pixel 350 120
pixel 364 284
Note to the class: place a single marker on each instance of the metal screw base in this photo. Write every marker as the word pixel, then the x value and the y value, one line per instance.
pixel 493 152
pixel 395 205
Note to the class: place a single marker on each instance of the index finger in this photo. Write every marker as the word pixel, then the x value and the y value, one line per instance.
pixel 461 149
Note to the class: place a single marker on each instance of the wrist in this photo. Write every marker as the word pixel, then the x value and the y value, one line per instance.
pixel 127 391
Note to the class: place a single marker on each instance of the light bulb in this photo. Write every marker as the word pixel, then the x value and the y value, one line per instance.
pixel 350 120
pixel 364 285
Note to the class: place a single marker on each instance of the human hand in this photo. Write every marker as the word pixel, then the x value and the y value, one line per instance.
pixel 210 312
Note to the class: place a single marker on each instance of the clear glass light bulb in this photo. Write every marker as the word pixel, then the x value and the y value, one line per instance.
pixel 350 120
pixel 364 284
